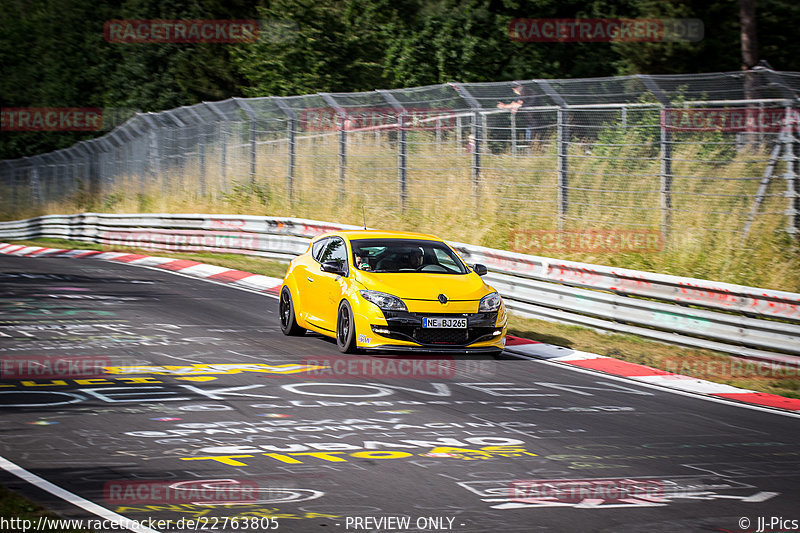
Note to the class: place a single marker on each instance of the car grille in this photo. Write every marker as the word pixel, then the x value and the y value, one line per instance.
pixel 441 336
pixel 406 326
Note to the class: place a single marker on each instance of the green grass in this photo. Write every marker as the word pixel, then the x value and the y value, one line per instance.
pixel 703 364
pixel 12 505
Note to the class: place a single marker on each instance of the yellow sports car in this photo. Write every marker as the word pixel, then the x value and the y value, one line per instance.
pixel 391 291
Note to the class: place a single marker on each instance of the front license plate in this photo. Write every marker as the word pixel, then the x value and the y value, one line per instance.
pixel 444 322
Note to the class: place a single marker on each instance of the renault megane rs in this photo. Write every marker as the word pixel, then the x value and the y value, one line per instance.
pixel 376 290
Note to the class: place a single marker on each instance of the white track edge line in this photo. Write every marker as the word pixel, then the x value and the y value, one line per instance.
pixel 96 509
pixel 699 395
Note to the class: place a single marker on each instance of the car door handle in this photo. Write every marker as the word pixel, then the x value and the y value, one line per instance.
pixel 310 279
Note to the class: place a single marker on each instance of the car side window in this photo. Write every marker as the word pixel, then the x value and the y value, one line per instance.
pixel 335 251
pixel 318 247
pixel 445 260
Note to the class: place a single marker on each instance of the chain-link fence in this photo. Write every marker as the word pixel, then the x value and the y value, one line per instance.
pixel 708 151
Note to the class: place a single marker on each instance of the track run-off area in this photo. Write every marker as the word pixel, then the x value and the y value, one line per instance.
pixel 135 393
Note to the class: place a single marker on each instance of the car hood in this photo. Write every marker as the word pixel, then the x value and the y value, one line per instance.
pixel 422 286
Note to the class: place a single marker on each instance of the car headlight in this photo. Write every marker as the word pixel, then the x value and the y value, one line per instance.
pixel 386 302
pixel 489 303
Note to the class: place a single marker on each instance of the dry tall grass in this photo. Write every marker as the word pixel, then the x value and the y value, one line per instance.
pixel 611 188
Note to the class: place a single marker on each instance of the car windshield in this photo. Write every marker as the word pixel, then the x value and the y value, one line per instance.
pixel 406 255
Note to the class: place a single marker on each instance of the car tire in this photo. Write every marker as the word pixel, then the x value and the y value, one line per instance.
pixel 286 312
pixel 345 329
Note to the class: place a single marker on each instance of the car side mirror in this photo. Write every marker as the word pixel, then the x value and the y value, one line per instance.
pixel 332 267
pixel 480 269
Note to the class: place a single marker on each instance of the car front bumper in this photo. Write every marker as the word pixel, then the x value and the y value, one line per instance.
pixel 403 331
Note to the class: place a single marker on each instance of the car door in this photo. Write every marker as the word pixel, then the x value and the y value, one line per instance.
pixel 329 287
pixel 307 275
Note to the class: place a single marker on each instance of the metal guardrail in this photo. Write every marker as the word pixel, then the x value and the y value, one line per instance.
pixel 746 321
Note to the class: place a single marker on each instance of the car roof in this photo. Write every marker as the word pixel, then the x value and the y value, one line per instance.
pixel 377 234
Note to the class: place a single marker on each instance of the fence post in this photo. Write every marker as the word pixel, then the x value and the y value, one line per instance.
pixel 562 141
pixel 15 186
pixel 33 181
pixel 402 146
pixel 201 147
pixel 221 123
pixel 291 131
pixel 253 151
pixel 762 187
pixel 477 130
pixel 152 158
pixel 343 125
pixel 94 177
pixel 513 133
pixel 665 154
pixel 562 148
pixel 252 135
pixel 790 172
pixel 223 158
pixel 665 151
pixel 172 152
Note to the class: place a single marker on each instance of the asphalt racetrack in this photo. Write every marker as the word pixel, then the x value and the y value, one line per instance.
pixel 205 412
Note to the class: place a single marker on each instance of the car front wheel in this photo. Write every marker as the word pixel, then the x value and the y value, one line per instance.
pixel 286 311
pixel 345 329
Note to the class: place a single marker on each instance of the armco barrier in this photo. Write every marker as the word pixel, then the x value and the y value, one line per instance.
pixel 746 321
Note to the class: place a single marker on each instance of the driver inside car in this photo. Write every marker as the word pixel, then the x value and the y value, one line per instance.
pixel 415 258
pixel 362 262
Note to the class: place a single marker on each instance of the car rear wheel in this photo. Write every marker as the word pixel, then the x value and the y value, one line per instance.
pixel 345 329
pixel 286 311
